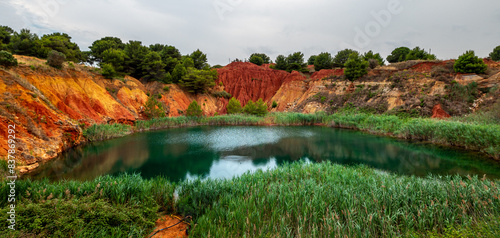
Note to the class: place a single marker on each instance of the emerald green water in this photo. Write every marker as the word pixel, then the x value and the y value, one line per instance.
pixel 223 152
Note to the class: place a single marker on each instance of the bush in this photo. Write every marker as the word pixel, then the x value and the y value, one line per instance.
pixel 470 63
pixel 197 81
pixel 256 60
pixel 373 63
pixel 108 71
pixel 234 106
pixel 275 104
pixel 166 88
pixel 258 108
pixel 222 94
pixel 6 59
pixel 355 67
pixel 341 57
pixel 56 59
pixel 398 55
pixel 323 61
pixel 153 108
pixel 250 108
pixel 495 54
pixel 194 110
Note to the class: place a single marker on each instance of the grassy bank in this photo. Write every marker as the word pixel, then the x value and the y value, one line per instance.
pixel 308 200
pixel 478 135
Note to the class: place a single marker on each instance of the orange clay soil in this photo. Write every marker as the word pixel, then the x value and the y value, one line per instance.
pixel 177 231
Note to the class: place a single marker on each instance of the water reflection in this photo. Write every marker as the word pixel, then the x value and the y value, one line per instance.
pixel 222 152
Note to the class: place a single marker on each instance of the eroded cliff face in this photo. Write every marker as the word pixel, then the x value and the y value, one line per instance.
pixel 50 107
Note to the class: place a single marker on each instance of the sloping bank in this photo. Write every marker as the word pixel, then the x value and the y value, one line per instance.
pixel 294 200
pixel 483 137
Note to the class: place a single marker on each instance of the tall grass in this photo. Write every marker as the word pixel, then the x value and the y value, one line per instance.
pixel 124 206
pixel 474 136
pixel 295 200
pixel 326 200
pixel 98 132
pixel 294 118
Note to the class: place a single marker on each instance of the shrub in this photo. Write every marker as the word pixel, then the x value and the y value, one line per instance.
pixel 222 94
pixel 342 56
pixel 166 88
pixel 398 55
pixel 250 108
pixel 108 71
pixel 194 110
pixel 355 67
pixel 153 108
pixel 495 54
pixel 56 59
pixel 234 106
pixel 470 63
pixel 6 59
pixel 275 104
pixel 256 60
pixel 373 63
pixel 323 61
pixel 261 108
pixel 197 81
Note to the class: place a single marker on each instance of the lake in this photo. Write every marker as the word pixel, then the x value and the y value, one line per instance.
pixel 223 152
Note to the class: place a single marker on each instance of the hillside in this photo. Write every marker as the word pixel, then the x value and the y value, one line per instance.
pixel 50 107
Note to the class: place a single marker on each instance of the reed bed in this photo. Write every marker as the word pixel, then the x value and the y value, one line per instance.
pixel 124 206
pixel 473 136
pixel 295 200
pixel 326 200
pixel 98 132
pixel 294 118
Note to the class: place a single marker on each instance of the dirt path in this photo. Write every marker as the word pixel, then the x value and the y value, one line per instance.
pixel 177 231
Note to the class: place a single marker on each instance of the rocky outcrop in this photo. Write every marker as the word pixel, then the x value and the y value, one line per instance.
pixel 438 112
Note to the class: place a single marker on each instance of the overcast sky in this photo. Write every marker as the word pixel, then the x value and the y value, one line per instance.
pixel 228 29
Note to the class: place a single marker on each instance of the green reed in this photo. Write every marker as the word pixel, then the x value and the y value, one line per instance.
pixel 98 132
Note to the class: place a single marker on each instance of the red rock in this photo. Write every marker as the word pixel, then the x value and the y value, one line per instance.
pixel 247 81
pixel 438 112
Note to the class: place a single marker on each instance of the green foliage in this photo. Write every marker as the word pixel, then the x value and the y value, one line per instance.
pixel 5 36
pixel 495 54
pixel 56 59
pixel 194 110
pixel 258 108
pixel 178 72
pixel 419 54
pixel 294 118
pixel 222 94
pixel 122 206
pixel 99 132
pixel 311 60
pixel 261 109
pixel 342 56
pixel 6 59
pixel 153 68
pixel 325 199
pixel 470 63
pixel 256 60
pixel 115 57
pixel 135 65
pixel 355 67
pixel 108 71
pixel 98 47
pixel 264 57
pixel 171 57
pixel 370 55
pixel 166 89
pixel 281 63
pixel 154 108
pixel 199 59
pixel 323 61
pixel 24 43
pixel 275 104
pixel 60 42
pixel 250 108
pixel 467 93
pixel 197 81
pixel 398 55
pixel 295 62
pixel 234 106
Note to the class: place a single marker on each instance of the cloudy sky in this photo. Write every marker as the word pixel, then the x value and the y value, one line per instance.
pixel 228 29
